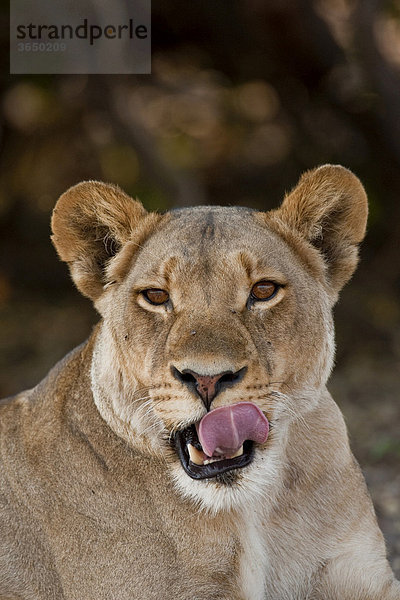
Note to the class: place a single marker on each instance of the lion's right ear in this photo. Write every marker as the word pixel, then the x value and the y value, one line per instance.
pixel 91 222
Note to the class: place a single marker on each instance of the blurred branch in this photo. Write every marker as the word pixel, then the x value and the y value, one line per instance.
pixel 183 188
pixel 384 77
pixel 386 81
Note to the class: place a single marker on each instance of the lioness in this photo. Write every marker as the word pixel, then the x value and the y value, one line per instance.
pixel 190 449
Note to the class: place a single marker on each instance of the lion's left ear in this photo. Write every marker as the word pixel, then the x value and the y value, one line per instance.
pixel 328 208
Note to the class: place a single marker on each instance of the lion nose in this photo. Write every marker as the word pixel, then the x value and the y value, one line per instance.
pixel 208 386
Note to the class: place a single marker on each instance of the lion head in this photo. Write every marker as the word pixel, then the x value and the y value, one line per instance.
pixel 216 333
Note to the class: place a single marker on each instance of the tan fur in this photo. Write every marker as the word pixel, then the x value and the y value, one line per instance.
pixel 94 503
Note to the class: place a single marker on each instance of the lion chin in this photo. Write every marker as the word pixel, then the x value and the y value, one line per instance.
pixel 231 491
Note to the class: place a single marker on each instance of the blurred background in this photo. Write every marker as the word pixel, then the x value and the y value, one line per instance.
pixel 243 97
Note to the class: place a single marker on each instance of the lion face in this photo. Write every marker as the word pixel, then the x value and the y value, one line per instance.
pixel 217 331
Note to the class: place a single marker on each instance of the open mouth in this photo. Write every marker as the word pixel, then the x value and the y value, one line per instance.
pixel 222 441
pixel 198 465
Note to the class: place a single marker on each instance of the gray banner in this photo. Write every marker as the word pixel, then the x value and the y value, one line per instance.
pixel 88 37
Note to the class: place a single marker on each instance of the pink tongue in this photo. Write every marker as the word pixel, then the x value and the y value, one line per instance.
pixel 226 428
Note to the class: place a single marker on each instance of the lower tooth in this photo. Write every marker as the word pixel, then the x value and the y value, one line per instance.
pixel 208 461
pixel 195 455
pixel 237 453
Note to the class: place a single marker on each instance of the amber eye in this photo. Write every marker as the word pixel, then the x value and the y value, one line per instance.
pixel 264 290
pixel 155 296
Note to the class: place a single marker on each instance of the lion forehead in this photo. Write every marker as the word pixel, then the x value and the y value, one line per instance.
pixel 197 227
pixel 210 239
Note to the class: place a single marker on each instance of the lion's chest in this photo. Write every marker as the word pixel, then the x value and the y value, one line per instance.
pixel 142 539
pixel 152 554
pixel 253 559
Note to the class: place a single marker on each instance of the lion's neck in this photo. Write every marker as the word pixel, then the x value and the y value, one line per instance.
pixel 119 402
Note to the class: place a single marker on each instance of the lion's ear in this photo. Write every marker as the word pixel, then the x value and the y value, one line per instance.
pixel 328 208
pixel 91 222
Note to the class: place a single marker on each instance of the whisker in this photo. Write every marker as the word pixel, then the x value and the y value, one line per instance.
pixel 144 411
pixel 287 405
pixel 139 400
pixel 142 390
pixel 152 427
